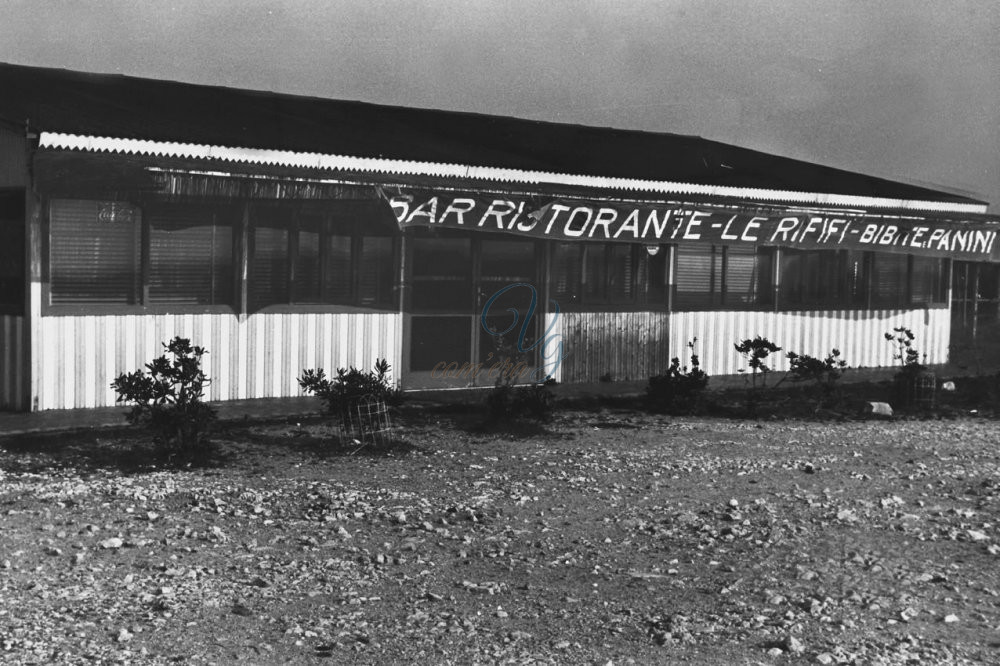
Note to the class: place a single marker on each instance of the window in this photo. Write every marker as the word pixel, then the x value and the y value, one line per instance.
pixel 730 278
pixel 12 253
pixel 929 281
pixel 305 254
pixel 828 279
pixel 94 251
pixel 889 280
pixel 112 253
pixel 853 279
pixel 615 274
pixel 269 262
pixel 190 255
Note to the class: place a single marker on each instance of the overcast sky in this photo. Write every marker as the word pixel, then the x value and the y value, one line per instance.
pixel 903 89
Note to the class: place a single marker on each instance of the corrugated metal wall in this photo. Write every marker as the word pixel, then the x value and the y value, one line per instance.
pixel 635 345
pixel 259 357
pixel 624 345
pixel 13 371
pixel 859 335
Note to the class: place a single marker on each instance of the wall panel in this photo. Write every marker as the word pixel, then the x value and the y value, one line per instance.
pixel 624 345
pixel 262 356
pixel 13 369
pixel 859 335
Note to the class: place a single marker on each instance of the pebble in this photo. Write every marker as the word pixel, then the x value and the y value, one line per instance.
pixel 950 618
pixel 794 645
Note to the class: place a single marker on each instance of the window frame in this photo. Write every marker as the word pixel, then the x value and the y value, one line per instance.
pixel 240 260
pixel 718 297
pixel 331 226
pixel 606 301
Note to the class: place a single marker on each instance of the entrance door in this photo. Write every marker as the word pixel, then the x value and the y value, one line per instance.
pixel 975 314
pixel 507 284
pixel 453 278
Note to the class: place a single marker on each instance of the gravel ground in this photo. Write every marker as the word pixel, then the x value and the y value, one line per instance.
pixel 609 537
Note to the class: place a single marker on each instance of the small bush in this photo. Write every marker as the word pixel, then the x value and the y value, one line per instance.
pixel 505 402
pixel 915 384
pixel 905 351
pixel 167 397
pixel 755 352
pixel 678 390
pixel 344 391
pixel 508 402
pixel 823 374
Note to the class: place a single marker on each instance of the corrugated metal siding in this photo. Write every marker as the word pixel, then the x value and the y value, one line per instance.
pixel 624 345
pixel 260 357
pixel 13 161
pixel 859 335
pixel 13 372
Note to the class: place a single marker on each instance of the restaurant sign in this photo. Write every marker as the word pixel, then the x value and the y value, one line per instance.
pixel 650 223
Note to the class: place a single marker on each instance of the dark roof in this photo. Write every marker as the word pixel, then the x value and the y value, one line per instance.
pixel 128 107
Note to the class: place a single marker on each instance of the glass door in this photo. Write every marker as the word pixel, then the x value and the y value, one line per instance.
pixel 453 279
pixel 507 285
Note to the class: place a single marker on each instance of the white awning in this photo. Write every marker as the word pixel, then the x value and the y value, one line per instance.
pixel 322 161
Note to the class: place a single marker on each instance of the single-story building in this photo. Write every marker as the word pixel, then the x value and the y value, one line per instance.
pixel 284 232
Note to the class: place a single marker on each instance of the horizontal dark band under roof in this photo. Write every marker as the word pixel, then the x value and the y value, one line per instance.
pixel 127 107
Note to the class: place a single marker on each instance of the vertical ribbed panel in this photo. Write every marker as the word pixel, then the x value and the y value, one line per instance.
pixel 859 335
pixel 624 345
pixel 13 160
pixel 13 373
pixel 260 357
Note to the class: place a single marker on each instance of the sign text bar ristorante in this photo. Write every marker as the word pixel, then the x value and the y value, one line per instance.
pixel 609 221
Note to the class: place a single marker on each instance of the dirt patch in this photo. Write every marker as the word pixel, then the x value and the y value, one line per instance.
pixel 608 535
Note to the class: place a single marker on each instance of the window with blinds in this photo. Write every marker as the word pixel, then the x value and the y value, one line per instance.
pixel 190 255
pixel 268 261
pixel 566 272
pixel 375 275
pixel 94 252
pixel 812 279
pixel 929 282
pixel 889 280
pixel 697 277
pixel 12 252
pixel 714 277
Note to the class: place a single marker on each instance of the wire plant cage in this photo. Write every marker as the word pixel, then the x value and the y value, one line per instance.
pixel 366 421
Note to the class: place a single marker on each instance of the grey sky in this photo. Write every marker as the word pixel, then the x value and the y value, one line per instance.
pixel 908 90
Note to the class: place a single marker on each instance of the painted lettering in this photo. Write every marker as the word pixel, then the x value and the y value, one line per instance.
pixel 458 207
pixel 568 229
pixel 604 217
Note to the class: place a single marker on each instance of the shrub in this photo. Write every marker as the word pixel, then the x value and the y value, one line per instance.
pixel 534 402
pixel 506 400
pixel 344 391
pixel 755 352
pixel 824 374
pixel 905 352
pixel 678 390
pixel 914 383
pixel 167 397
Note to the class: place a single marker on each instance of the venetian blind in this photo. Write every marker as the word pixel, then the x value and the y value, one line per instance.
pixel 190 255
pixel 93 252
pixel 376 271
pixel 696 278
pixel 889 283
pixel 268 261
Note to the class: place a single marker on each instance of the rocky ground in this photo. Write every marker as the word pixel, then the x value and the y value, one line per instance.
pixel 609 537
